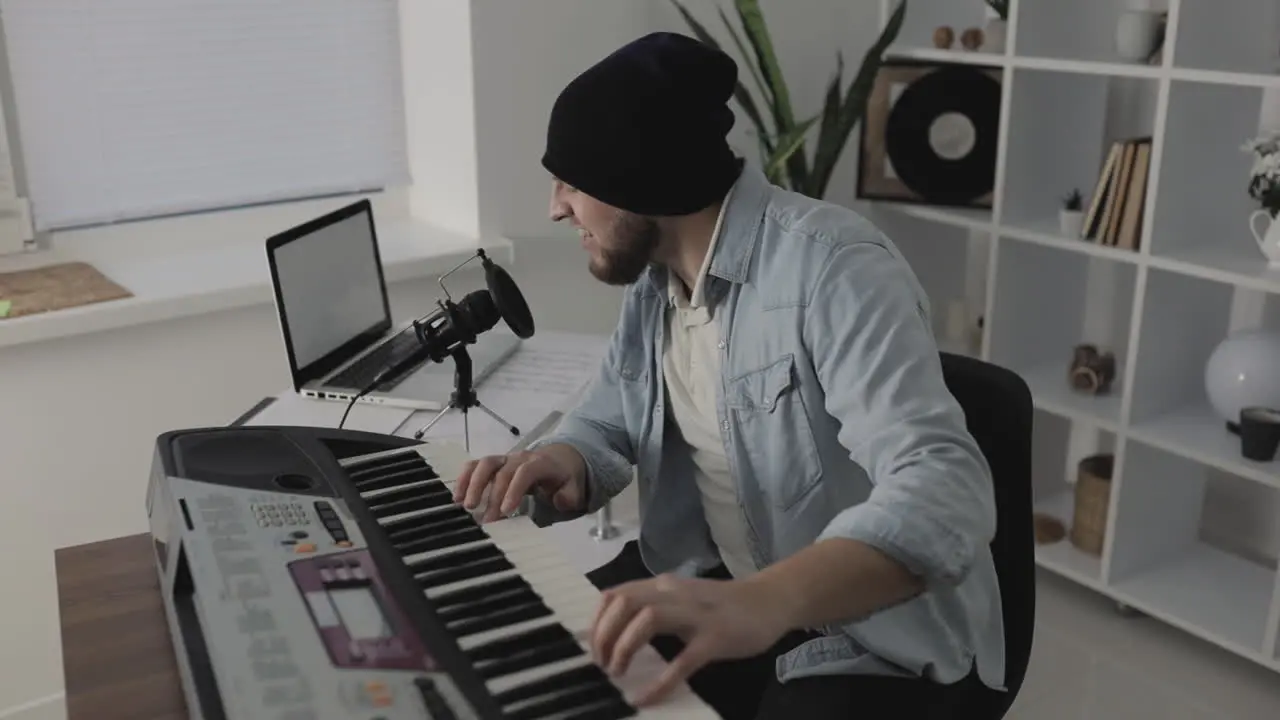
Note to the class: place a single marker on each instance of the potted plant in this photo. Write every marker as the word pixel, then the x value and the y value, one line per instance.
pixel 1071 215
pixel 997 26
pixel 1264 188
pixel 781 135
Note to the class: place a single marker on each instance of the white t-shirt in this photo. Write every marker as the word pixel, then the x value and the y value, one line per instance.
pixel 691 364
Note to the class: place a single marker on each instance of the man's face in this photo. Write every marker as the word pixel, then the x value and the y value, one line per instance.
pixel 620 244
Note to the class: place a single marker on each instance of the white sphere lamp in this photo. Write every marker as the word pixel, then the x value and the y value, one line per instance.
pixel 1243 370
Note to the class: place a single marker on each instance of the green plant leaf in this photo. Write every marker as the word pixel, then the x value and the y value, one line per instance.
pixel 828 132
pixel 787 146
pixel 747 58
pixel 757 31
pixel 854 105
pixel 740 92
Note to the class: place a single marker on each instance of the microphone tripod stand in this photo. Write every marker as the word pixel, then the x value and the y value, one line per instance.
pixel 463 399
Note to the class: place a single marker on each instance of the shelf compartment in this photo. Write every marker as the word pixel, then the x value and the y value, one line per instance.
pixel 1202 212
pixel 1047 302
pixel 1046 232
pixel 923 17
pixel 1077 30
pixel 1184 318
pixel 933 54
pixel 1061 129
pixel 1237 36
pixel 1055 452
pixel 1191 547
pixel 1197 433
pixel 978 219
pixel 951 263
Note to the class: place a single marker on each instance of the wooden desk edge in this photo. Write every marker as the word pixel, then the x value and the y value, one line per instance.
pixel 117 658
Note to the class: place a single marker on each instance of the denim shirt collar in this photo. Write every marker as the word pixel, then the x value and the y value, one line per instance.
pixel 739 233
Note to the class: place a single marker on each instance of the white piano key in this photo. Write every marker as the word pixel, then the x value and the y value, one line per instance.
pixel 570 596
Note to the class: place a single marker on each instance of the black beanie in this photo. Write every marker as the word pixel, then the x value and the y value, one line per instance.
pixel 645 129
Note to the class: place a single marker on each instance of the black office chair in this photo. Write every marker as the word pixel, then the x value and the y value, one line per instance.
pixel 998 412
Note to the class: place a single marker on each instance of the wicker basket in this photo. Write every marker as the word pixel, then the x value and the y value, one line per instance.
pixel 1093 499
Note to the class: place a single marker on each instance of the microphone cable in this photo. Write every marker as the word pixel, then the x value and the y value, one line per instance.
pixel 386 374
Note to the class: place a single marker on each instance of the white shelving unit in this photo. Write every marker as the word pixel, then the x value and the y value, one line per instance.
pixel 1193 527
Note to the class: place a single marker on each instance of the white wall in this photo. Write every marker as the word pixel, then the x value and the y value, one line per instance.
pixel 80 414
pixel 524 53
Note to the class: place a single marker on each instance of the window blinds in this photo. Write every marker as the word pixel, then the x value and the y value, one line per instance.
pixel 137 108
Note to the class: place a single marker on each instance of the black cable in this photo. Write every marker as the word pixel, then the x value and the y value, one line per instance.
pixel 382 377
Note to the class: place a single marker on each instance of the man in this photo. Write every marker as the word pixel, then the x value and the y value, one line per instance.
pixel 815 513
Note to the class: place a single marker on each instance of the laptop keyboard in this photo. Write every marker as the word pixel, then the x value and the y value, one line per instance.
pixel 359 374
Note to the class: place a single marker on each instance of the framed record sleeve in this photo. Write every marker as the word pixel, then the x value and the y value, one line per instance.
pixel 930 134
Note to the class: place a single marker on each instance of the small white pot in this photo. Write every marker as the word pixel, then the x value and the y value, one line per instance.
pixel 1136 32
pixel 1071 223
pixel 993 36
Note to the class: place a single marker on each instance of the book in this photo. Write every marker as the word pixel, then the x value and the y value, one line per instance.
pixel 1116 214
pixel 1135 203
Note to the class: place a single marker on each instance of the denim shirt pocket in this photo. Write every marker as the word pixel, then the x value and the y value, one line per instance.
pixel 775 430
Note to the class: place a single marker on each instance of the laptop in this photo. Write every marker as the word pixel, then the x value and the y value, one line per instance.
pixel 331 298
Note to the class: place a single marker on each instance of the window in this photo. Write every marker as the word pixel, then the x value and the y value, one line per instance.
pixel 129 109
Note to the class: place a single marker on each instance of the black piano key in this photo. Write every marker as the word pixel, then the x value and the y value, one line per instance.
pixel 531 659
pixel 405 493
pixel 492 566
pixel 454 535
pixel 612 710
pixel 462 611
pixel 467 595
pixel 390 477
pixel 560 682
pixel 446 540
pixel 505 618
pixel 454 559
pixel 426 522
pixel 410 544
pixel 520 642
pixel 360 468
pixel 423 500
pixel 605 695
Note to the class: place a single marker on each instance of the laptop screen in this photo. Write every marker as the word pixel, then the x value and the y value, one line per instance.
pixel 329 287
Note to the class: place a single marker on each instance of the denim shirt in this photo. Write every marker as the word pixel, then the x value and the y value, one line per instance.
pixel 836 423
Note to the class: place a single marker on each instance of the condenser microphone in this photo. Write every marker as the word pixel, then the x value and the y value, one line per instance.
pixel 457 325
pixel 446 332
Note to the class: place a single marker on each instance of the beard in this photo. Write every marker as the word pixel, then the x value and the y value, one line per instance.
pixel 634 240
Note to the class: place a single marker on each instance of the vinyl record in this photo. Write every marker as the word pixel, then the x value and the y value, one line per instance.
pixel 941 135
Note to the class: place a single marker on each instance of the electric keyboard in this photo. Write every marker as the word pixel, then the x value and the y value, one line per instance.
pixel 311 573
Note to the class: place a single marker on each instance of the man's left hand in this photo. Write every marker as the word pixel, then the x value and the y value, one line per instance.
pixel 716 620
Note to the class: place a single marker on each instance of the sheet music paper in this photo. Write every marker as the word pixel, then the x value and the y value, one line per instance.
pixel 558 364
pixel 546 375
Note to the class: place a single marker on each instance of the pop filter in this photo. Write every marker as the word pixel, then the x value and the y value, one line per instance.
pixel 507 298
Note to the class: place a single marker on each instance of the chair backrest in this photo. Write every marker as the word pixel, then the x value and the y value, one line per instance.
pixel 999 412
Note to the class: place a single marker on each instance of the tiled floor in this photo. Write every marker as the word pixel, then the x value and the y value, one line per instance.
pixel 1089 661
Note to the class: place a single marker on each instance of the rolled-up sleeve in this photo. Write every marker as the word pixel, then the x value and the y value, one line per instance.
pixel 597 429
pixel 932 505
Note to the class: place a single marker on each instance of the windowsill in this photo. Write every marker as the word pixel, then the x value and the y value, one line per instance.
pixel 186 267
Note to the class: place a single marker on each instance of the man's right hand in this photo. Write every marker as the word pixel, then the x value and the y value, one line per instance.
pixel 555 472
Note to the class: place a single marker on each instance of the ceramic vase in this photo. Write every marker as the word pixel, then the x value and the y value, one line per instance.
pixel 1266 231
pixel 1071 223
pixel 993 36
pixel 1136 32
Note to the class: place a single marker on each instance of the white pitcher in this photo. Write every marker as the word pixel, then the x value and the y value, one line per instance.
pixel 1269 239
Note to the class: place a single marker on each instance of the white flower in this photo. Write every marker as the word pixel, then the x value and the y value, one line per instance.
pixel 1263 145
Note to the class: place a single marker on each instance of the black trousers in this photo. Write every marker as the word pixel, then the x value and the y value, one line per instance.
pixel 748 689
